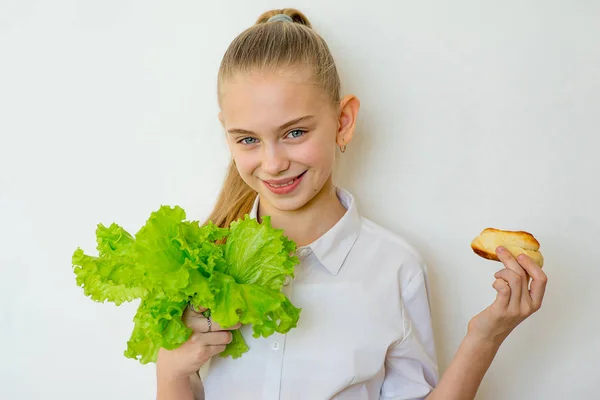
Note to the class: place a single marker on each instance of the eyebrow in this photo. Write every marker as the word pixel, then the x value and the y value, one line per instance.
pixel 282 127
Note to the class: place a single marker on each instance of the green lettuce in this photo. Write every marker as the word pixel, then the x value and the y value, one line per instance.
pixel 170 263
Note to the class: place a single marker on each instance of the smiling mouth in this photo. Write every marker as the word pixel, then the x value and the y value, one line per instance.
pixel 284 184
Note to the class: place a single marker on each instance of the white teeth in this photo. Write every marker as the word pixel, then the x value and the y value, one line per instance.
pixel 283 184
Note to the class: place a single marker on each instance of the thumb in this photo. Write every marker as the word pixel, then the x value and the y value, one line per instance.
pixel 192 312
pixel 197 310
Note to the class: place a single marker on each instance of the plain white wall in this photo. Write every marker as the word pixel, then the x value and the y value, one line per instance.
pixel 473 115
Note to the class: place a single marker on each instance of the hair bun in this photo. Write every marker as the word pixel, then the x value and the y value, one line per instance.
pixel 294 14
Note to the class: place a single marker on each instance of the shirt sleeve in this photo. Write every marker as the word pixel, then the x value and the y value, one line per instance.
pixel 411 363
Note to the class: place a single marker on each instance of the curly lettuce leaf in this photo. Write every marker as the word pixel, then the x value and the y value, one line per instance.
pixel 113 275
pixel 158 323
pixel 172 263
pixel 259 254
pixel 178 256
pixel 266 309
pixel 237 347
pixel 166 241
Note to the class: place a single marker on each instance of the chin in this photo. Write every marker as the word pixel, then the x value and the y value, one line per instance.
pixel 290 202
pixel 285 203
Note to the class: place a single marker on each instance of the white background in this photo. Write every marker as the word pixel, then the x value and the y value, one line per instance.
pixel 474 114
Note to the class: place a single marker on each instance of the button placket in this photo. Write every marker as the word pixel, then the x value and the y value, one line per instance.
pixel 274 361
pixel 272 385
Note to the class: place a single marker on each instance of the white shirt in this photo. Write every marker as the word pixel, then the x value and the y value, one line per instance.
pixel 364 331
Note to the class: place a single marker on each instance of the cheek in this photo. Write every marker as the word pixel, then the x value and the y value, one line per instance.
pixel 246 162
pixel 319 157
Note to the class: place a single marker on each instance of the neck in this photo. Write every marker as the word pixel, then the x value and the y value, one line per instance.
pixel 310 222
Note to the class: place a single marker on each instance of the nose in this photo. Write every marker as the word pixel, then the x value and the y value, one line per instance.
pixel 274 160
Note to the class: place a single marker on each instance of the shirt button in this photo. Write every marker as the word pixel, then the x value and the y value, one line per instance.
pixel 276 346
pixel 303 252
pixel 287 280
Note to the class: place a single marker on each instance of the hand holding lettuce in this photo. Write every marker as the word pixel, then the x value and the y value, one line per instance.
pixel 236 272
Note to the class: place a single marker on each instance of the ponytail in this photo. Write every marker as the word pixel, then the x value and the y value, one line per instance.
pixel 235 200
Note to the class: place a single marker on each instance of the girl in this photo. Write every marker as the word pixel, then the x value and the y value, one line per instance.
pixel 365 328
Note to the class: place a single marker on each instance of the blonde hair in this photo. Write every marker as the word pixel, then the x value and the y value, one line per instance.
pixel 271 46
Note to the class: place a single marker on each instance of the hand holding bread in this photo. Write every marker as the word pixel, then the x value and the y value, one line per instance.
pixel 520 286
pixel 517 242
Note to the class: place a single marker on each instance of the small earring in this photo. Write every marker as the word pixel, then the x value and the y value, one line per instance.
pixel 343 148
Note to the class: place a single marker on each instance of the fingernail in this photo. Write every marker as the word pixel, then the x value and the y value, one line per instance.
pixel 500 249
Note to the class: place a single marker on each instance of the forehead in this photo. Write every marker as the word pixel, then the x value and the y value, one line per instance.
pixel 268 99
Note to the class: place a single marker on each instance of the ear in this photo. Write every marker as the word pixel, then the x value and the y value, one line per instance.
pixel 348 113
pixel 221 120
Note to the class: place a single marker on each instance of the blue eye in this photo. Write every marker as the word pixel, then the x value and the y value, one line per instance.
pixel 248 140
pixel 296 133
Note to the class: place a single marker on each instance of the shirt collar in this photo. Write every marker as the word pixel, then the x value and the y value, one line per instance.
pixel 333 247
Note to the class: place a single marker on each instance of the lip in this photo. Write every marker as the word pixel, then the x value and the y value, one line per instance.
pixel 284 189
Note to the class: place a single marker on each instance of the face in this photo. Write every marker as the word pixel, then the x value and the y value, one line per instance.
pixel 283 134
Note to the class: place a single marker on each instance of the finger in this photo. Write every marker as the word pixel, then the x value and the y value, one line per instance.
pixel 510 262
pixel 538 279
pixel 204 353
pixel 514 281
pixel 197 310
pixel 189 313
pixel 199 323
pixel 194 319
pixel 221 338
pixel 503 289
pixel 214 350
pixel 231 328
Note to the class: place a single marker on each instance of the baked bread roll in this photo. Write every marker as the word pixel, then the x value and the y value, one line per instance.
pixel 516 242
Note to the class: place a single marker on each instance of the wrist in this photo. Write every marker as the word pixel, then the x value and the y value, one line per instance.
pixel 173 380
pixel 174 388
pixel 484 341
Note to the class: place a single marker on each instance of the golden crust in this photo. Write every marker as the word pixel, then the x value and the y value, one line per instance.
pixel 517 242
